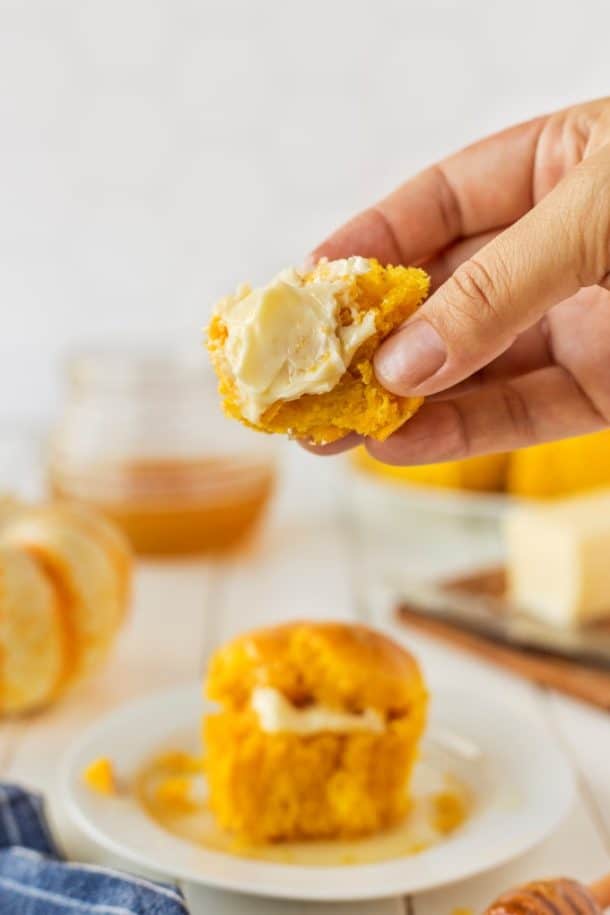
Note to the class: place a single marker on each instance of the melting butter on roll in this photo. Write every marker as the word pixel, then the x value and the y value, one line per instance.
pixel 295 356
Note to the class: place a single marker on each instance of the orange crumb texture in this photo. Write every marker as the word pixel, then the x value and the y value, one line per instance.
pixel 100 777
pixel 357 403
pixel 281 786
pixel 175 791
pixel 449 811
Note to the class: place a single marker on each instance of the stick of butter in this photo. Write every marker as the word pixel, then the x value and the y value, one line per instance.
pixel 559 558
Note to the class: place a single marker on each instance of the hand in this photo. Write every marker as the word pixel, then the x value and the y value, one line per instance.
pixel 514 343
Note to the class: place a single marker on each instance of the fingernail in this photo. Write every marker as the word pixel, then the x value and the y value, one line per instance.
pixel 410 357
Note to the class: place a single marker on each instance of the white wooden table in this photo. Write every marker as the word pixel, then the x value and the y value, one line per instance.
pixel 309 562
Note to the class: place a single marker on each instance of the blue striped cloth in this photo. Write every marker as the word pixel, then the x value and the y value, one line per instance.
pixel 36 880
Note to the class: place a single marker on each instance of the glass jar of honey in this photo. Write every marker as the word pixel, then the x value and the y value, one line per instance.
pixel 142 438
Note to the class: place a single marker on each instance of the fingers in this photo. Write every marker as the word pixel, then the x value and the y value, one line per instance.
pixel 530 351
pixel 485 186
pixel 544 405
pixel 442 265
pixel 580 332
pixel 556 248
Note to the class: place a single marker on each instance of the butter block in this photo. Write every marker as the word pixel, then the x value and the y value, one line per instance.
pixel 559 558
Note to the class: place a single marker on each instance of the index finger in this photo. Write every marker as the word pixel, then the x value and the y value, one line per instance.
pixel 485 186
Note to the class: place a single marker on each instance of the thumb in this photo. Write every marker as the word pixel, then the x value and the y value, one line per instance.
pixel 559 246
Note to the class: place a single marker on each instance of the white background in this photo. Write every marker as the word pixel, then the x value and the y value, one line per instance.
pixel 153 153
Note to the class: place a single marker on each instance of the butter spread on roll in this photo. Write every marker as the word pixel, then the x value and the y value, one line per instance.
pixel 277 715
pixel 295 356
pixel 285 339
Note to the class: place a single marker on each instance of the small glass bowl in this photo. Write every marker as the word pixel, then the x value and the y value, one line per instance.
pixel 142 438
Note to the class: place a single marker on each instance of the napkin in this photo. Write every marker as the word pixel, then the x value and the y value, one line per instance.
pixel 35 879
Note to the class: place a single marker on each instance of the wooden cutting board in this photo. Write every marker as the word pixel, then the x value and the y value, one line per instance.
pixel 581 681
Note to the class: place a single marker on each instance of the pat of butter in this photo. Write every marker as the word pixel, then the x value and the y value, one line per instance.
pixel 277 715
pixel 559 558
pixel 285 339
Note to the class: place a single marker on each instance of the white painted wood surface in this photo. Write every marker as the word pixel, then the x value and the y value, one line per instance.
pixel 311 561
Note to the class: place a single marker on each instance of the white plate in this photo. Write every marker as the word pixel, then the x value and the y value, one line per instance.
pixel 522 785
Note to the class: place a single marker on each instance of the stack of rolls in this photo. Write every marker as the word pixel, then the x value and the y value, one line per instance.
pixel 65 577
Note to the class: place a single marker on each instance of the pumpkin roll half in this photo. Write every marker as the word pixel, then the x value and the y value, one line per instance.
pixel 32 643
pixel 295 356
pixel 316 734
pixel 88 562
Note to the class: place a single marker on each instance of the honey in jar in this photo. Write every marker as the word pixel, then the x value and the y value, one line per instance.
pixel 142 439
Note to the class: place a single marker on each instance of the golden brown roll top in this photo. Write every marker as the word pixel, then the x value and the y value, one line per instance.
pixel 334 664
pixel 547 897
